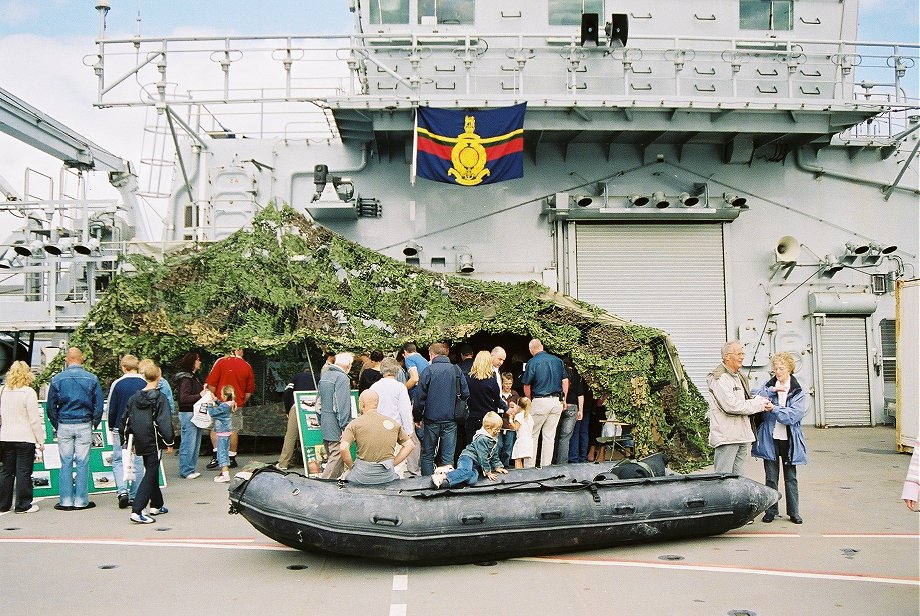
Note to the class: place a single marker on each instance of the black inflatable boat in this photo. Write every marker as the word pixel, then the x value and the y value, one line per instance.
pixel 527 512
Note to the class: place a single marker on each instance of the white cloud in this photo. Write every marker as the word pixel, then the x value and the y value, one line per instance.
pixel 18 12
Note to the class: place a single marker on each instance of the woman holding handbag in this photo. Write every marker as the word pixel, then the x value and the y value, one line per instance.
pixel 190 390
pixel 22 430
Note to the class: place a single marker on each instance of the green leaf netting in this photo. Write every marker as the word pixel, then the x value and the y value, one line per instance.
pixel 287 282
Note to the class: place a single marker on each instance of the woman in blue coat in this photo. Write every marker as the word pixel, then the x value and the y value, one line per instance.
pixel 779 436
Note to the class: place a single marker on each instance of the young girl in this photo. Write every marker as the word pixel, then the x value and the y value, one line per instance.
pixel 481 454
pixel 509 428
pixel 523 444
pixel 221 413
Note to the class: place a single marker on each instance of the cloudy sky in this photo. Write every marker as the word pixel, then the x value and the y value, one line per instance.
pixel 45 45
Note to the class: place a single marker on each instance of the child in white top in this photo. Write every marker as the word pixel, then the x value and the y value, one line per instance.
pixel 523 445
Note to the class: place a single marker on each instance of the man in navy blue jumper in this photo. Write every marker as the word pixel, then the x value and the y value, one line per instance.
pixel 435 399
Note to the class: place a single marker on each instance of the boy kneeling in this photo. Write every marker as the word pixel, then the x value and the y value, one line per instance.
pixel 481 454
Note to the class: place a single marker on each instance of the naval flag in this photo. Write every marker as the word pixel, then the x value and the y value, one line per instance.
pixel 470 148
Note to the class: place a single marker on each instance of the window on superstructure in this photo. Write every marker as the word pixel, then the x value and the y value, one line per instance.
pixel 568 12
pixel 191 216
pixel 389 11
pixel 766 14
pixel 449 12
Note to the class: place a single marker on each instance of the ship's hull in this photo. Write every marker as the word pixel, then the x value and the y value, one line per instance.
pixel 528 512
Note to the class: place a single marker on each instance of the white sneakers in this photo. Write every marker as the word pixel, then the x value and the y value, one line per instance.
pixel 155 511
pixel 439 477
pixel 31 509
pixel 193 476
pixel 222 478
pixel 140 518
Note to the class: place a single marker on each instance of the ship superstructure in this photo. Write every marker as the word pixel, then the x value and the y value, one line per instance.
pixel 731 168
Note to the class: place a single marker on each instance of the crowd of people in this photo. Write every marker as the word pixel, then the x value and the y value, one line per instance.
pixel 455 422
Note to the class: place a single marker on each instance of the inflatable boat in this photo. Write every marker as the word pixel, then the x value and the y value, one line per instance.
pixel 527 512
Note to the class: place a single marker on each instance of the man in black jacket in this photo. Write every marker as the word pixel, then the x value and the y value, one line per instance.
pixel 434 405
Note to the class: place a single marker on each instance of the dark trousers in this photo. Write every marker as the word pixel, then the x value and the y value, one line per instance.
pixel 470 428
pixel 506 440
pixel 149 490
pixel 18 458
pixel 791 484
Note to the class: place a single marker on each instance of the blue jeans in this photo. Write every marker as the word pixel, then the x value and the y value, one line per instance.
pixel 119 471
pixel 74 441
pixel 189 445
pixel 223 451
pixel 446 432
pixel 578 446
pixel 467 472
pixel 506 440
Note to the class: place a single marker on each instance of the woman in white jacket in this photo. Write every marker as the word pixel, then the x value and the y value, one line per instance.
pixel 22 431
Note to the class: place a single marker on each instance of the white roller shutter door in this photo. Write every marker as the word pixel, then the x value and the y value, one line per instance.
pixel 667 276
pixel 845 372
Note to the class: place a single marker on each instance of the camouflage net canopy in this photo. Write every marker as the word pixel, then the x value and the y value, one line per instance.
pixel 287 283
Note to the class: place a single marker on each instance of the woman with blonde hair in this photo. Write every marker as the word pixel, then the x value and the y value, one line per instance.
pixel 22 430
pixel 779 436
pixel 485 395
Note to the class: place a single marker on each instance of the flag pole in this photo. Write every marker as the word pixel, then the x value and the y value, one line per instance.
pixel 414 151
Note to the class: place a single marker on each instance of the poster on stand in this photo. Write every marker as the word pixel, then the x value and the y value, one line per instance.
pixel 47 467
pixel 306 404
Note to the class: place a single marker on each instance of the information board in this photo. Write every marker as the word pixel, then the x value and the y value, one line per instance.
pixel 47 468
pixel 306 403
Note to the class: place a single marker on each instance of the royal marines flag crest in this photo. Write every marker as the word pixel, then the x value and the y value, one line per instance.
pixel 470 148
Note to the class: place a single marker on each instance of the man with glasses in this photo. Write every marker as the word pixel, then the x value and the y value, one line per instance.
pixel 731 411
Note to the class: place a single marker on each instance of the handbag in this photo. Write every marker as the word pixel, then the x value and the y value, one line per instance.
pixel 127 460
pixel 201 416
pixel 461 410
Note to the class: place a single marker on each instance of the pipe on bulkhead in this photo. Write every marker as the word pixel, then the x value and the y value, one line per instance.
pixel 797 157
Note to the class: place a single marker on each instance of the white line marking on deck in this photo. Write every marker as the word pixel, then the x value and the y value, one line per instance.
pixel 149 543
pixel 398 609
pixel 400 582
pixel 872 535
pixel 848 577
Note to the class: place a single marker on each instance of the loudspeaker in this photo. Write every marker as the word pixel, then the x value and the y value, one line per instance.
pixel 589 28
pixel 617 29
pixel 787 249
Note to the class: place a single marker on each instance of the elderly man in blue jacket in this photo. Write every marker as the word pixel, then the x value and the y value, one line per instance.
pixel 74 409
pixel 435 400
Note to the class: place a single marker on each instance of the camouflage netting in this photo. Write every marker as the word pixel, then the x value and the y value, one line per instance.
pixel 288 282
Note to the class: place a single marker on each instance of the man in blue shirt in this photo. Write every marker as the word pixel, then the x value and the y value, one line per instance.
pixel 546 383
pixel 415 365
pixel 74 408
